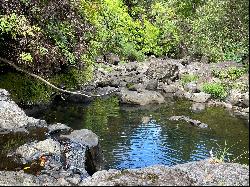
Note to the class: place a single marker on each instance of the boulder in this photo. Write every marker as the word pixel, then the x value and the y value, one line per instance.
pixel 32 151
pixel 198 107
pixel 199 173
pixel 140 98
pixel 234 97
pixel 12 116
pixel 86 137
pixel 162 70
pixel 200 97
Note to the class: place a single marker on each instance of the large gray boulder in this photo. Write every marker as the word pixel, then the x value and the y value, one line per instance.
pixel 86 137
pixel 199 173
pixel 144 97
pixel 12 116
pixel 162 70
pixel 200 97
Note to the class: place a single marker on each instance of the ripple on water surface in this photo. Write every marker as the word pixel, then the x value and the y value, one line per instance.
pixel 135 138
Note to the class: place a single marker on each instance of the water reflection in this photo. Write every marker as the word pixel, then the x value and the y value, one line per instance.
pixel 144 137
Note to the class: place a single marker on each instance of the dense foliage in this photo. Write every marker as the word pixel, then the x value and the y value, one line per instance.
pixel 49 34
pixel 54 37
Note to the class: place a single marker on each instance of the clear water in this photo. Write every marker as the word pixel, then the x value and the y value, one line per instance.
pixel 133 137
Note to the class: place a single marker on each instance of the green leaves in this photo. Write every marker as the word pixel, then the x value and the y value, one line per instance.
pixel 217 90
pixel 26 57
pixel 17 25
pixel 231 73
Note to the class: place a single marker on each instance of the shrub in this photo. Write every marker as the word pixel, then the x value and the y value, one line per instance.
pixel 217 90
pixel 231 73
pixel 219 30
pixel 16 25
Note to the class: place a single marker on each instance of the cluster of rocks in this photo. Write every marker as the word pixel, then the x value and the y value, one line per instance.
pixel 67 157
pixel 156 80
pixel 61 157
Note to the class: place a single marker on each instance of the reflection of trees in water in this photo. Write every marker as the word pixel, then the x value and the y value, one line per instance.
pixel 97 114
pixel 122 131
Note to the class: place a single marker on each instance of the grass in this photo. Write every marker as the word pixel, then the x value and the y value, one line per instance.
pixel 223 154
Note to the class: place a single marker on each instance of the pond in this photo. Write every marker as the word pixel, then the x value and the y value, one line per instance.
pixel 135 137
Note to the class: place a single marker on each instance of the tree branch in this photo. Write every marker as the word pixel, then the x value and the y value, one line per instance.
pixel 48 83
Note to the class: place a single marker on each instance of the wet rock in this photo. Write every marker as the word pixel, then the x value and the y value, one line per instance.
pixel 32 151
pixel 140 98
pixel 196 123
pixel 58 128
pixel 198 107
pixel 93 153
pixel 200 97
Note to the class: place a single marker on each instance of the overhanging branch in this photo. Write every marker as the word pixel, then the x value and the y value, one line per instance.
pixel 48 83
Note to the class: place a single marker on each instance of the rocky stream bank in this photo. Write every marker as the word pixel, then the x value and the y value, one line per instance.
pixel 155 81
pixel 36 153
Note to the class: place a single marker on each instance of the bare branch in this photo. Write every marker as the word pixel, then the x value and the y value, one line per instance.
pixel 48 83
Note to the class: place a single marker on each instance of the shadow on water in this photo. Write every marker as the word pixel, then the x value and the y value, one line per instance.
pixel 10 141
pixel 133 137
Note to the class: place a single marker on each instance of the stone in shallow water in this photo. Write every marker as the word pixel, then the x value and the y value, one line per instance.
pixel 140 98
pixel 32 151
pixel 198 107
pixel 200 97
pixel 193 122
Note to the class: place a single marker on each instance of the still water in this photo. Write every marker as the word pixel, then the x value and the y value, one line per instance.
pixel 133 137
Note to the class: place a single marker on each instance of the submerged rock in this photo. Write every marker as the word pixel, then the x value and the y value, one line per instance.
pixel 198 107
pixel 193 122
